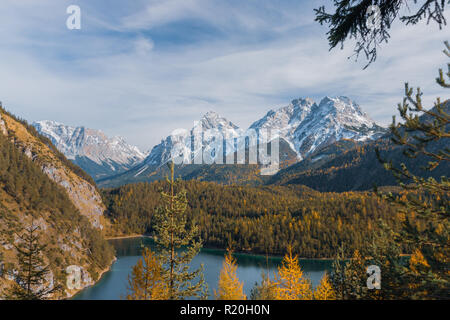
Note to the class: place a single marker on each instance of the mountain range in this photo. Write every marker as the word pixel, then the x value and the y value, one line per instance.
pixel 92 150
pixel 303 126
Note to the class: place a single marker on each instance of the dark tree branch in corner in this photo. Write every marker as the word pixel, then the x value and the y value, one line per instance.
pixel 349 21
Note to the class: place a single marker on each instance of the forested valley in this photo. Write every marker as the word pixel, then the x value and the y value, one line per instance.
pixel 262 220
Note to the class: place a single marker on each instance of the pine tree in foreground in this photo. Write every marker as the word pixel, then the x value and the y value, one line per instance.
pixel 230 288
pixel 423 203
pixel 424 133
pixel 178 245
pixel 338 275
pixel 351 19
pixel 264 290
pixel 348 276
pixel 31 279
pixel 146 281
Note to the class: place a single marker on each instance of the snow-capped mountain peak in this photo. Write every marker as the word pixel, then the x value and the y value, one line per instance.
pixel 88 147
pixel 212 120
pixel 346 111
pixel 306 125
pixel 286 117
pixel 303 124
pixel 182 139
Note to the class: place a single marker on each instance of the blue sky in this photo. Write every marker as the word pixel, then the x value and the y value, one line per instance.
pixel 140 69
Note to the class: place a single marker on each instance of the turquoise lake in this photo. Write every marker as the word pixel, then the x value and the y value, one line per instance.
pixel 113 284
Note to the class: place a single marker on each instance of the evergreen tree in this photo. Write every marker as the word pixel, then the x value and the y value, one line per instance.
pixel 337 277
pixel 424 133
pixel 356 276
pixel 348 276
pixel 31 278
pixel 178 245
pixel 386 253
pixel 350 21
pixel 230 288
pixel 265 290
pixel 146 281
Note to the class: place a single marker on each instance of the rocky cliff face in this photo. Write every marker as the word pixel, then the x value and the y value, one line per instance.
pixel 305 125
pixel 84 196
pixel 309 126
pixel 37 188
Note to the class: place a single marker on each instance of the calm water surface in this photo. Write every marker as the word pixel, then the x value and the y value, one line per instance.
pixel 113 285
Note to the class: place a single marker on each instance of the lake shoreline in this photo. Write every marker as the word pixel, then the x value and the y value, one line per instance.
pixel 113 285
pixel 248 253
pixel 100 276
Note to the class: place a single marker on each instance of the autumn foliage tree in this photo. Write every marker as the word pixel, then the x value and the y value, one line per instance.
pixel 290 282
pixel 229 288
pixel 324 290
pixel 146 281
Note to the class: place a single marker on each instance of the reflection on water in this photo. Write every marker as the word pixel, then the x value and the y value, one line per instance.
pixel 114 283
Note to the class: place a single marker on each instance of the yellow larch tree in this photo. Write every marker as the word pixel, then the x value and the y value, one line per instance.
pixel 290 283
pixel 418 262
pixel 324 290
pixel 146 281
pixel 229 288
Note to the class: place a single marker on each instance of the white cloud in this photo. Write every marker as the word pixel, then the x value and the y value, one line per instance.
pixel 143 46
pixel 117 76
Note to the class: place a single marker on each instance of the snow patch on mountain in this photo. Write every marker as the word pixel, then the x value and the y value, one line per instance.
pixel 306 125
pixel 94 145
pixel 180 140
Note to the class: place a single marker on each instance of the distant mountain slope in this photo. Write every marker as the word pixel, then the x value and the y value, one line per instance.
pixel 92 150
pixel 354 166
pixel 242 174
pixel 308 126
pixel 303 127
pixel 37 185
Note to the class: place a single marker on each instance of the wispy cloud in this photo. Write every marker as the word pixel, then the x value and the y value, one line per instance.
pixel 143 68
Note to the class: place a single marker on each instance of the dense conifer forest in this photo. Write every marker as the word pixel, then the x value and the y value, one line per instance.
pixel 260 219
pixel 25 191
pixel 69 164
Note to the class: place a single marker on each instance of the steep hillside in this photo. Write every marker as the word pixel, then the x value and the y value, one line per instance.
pixel 28 195
pixel 79 187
